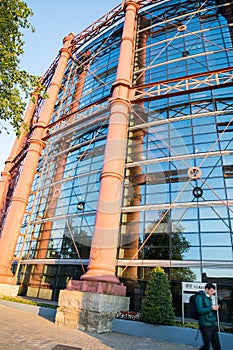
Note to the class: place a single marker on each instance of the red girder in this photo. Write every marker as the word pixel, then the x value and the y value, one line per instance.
pixel 182 92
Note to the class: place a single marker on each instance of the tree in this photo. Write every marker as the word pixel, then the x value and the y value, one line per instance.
pixel 15 83
pixel 157 303
pixel 168 242
pixel 75 239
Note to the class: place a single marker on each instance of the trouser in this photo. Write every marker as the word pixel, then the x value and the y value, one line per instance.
pixel 210 336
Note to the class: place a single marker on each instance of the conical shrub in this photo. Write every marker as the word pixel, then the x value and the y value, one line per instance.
pixel 157 303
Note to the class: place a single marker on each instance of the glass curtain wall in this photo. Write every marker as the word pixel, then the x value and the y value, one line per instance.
pixel 178 190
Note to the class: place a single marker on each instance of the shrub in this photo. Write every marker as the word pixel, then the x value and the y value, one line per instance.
pixel 157 303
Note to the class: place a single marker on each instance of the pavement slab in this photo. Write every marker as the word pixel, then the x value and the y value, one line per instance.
pixel 21 330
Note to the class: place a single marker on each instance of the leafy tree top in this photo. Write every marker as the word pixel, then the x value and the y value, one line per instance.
pixel 15 83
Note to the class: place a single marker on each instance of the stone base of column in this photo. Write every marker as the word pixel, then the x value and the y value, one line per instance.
pixel 97 287
pixel 9 290
pixel 92 312
pixel 7 278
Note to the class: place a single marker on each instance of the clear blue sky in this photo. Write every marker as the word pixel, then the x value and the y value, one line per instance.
pixel 53 19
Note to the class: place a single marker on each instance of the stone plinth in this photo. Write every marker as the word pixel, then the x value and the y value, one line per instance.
pixel 93 312
pixel 9 290
pixel 97 287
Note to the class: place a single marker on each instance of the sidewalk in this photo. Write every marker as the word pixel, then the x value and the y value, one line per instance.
pixel 21 330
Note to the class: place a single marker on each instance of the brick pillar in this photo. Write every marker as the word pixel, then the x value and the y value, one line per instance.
pixel 131 238
pixel 54 194
pixel 100 276
pixel 16 211
pixel 16 148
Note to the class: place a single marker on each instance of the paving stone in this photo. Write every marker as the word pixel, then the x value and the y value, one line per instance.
pixel 26 331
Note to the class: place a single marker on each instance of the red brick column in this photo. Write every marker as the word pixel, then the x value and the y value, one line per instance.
pixel 103 253
pixel 16 212
pixel 16 148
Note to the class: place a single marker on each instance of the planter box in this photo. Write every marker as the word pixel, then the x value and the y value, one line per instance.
pixel 172 334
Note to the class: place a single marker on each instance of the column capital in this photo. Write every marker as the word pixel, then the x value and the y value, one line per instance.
pixel 122 82
pixel 40 125
pixel 66 51
pixel 67 45
pixel 113 100
pixel 6 174
pixel 33 141
pixel 68 37
pixel 111 174
pixel 136 3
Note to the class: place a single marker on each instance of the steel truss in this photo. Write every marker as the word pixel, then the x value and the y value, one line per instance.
pixel 215 79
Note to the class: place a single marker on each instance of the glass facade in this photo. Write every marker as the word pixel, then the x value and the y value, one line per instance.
pixel 178 192
pixel 178 185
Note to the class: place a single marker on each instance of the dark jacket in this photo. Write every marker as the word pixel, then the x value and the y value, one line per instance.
pixel 207 317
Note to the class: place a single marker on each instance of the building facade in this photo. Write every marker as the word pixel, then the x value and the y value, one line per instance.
pixel 136 148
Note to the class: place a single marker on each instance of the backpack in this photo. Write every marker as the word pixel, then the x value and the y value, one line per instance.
pixel 193 308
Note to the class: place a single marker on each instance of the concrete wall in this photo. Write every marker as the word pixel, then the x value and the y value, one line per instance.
pixel 180 335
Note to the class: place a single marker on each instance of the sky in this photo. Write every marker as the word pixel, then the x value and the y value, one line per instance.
pixel 52 20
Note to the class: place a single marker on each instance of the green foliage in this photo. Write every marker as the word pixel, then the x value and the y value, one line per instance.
pixel 183 274
pixel 186 324
pixel 28 302
pixel 168 242
pixel 168 239
pixel 157 304
pixel 224 329
pixel 15 83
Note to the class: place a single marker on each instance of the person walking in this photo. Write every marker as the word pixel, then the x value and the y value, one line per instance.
pixel 207 317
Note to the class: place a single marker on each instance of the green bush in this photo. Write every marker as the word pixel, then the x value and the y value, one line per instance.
pixel 157 303
pixel 29 302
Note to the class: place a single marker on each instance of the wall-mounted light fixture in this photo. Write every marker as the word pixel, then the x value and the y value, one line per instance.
pixel 81 205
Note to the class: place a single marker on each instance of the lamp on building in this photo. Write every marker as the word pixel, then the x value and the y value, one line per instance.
pixel 197 192
pixel 81 205
pixel 185 53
